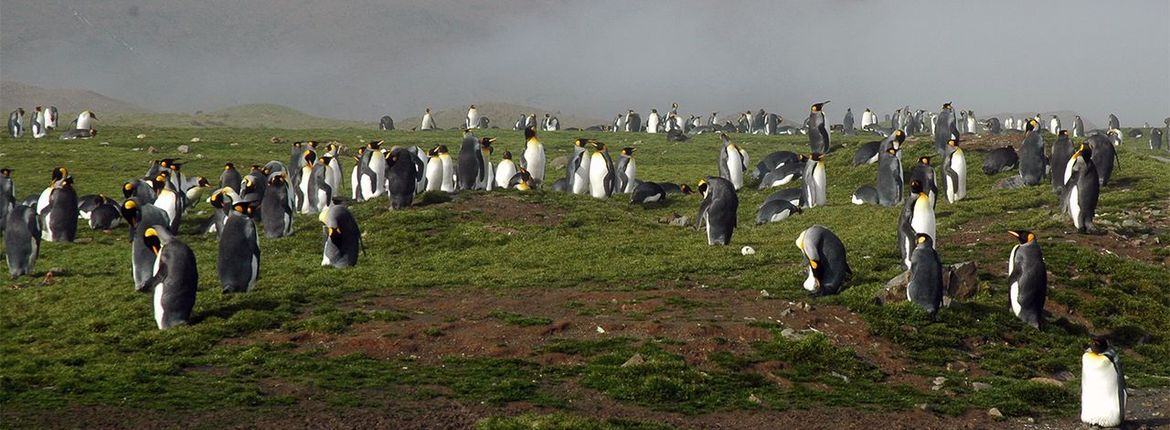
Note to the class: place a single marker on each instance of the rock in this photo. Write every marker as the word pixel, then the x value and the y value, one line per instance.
pixel 681 221
pixel 923 406
pixel 1130 223
pixel 747 250
pixel 634 361
pixel 196 140
pixel 895 289
pixel 1010 182
pixel 994 413
pixel 980 386
pixel 141 136
pixel 791 334
pixel 785 312
pixel 275 139
pixel 752 398
pixel 961 281
pixel 1063 375
pixel 940 380
pixel 1047 381
pixel 764 293
pixel 152 150
pixel 560 162
pixel 600 330
pixel 183 149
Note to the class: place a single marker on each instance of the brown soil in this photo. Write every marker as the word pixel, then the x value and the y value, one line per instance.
pixel 491 208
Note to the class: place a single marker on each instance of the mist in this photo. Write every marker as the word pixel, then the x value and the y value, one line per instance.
pixel 362 59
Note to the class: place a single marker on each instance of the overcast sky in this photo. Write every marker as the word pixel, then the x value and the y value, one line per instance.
pixel 361 59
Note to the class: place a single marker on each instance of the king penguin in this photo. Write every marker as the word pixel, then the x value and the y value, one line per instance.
pixel 373 175
pixel 238 262
pixel 22 240
pixel 343 239
pixel 775 210
pixel 1062 151
pixel 733 162
pixel 428 121
pixel 7 195
pixel 824 255
pixel 85 120
pixel 168 201
pixel 847 123
pixel 38 123
pixel 230 177
pixel 1027 279
pixel 60 217
pixel 926 276
pixel 470 167
pixel 103 213
pixel 601 172
pixel 648 192
pixel 401 175
pixel 1081 189
pixel 533 160
pixel 174 279
pixel 472 118
pixel 507 169
pixel 1105 154
pixel 141 216
pixel 954 172
pixel 924 174
pixel 1000 160
pixel 278 221
pixel 717 210
pixel 577 169
pixel 1033 165
pixel 945 128
pixel 652 121
pixel 815 182
pixel 889 177
pixel 51 116
pixel 1078 128
pixel 16 123
pixel 1103 395
pixel 626 172
pixel 818 130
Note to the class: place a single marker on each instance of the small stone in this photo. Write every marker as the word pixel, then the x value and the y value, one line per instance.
pixel 895 288
pixel 275 139
pixel 141 136
pixel 747 250
pixel 764 293
pixel 183 149
pixel 681 221
pixel 1047 381
pixel 1009 183
pixel 785 312
pixel 940 380
pixel 152 150
pixel 600 330
pixel 634 361
pixel 923 406
pixel 195 140
pixel 791 334
pixel 980 386
pixel 994 413
pixel 199 156
pixel 961 281
pixel 1130 223
pixel 752 398
pixel 104 144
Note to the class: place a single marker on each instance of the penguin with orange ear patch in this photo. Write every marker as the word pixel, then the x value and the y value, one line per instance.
pixel 1028 279
pixel 174 278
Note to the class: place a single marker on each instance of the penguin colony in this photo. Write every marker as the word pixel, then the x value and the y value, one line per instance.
pixel 161 264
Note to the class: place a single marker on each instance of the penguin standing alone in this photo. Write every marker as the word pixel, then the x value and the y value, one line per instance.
pixel 818 130
pixel 175 277
pixel 1062 151
pixel 926 277
pixel 533 160
pixel 507 169
pixel 22 240
pixel 954 172
pixel 1081 189
pixel 16 123
pixel 7 195
pixel 428 121
pixel 470 166
pixel 472 118
pixel 945 128
pixel 343 239
pixel 717 210
pixel 1103 395
pixel 38 123
pixel 733 162
pixel 889 177
pixel 1027 279
pixel 1033 165
pixel 824 255
pixel 238 262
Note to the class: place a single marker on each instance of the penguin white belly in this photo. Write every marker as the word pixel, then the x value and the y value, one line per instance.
pixel 355 184
pixel 581 181
pixel 434 175
pixel 1015 296
pixel 47 232
pixel 84 123
pixel 1099 392
pixel 856 200
pixel 378 165
pixel 448 173
pixel 1074 205
pixel 820 184
pixel 490 182
pixel 333 177
pixel 158 307
pixel 166 202
pixel 303 205
pixel 631 175
pixel 959 165
pixel 504 173
pixel 810 283
pixel 734 166
pixel 255 272
pixel 923 221
pixel 43 200
pixel 1068 170
pixel 652 198
pixel 597 172
pixel 780 216
pixel 322 200
pixel 534 157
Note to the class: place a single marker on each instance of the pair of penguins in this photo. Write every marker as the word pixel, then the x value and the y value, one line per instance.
pixel 52 216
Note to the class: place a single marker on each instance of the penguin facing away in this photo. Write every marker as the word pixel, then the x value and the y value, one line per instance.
pixel 1062 151
pixel 22 240
pixel 818 130
pixel 343 238
pixel 175 277
pixel 1027 279
pixel 717 210
pixel 1103 395
pixel 926 277
pixel 238 262
pixel 278 221
pixel 60 218
pixel 401 176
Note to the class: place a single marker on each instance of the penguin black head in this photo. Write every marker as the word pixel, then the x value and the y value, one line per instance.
pixel 507 155
pixel 1063 133
pixel 923 239
pixel 654 110
pixel 581 142
pixel 947 106
pixel 1024 236
pixel 915 186
pixel 442 149
pixel 217 199
pixel 892 151
pixel 374 144
pixel 128 189
pixel 428 110
pixel 816 156
pixel 472 107
pixel 1031 124
pixel 529 133
pixel 597 146
pixel 276 180
pixel 952 142
pixel 59 173
pixel 816 107
pixel 703 187
pixel 243 207
pixel 925 161
pixel 685 189
pixel 628 151
pixel 159 182
pixel 247 184
pixel 1099 345
pixel 486 142
pixel 6 172
pixel 899 136
pixel 325 159
pixel 310 157
pixel 229 166
pixel 131 212
pixel 67 182
pixel 1086 152
pixel 150 237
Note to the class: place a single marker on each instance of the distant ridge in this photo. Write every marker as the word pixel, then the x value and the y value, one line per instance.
pixel 502 115
pixel 69 102
pixel 260 115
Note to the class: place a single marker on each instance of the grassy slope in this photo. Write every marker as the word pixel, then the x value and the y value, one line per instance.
pixel 89 339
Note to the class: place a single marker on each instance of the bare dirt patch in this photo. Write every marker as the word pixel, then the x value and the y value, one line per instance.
pixel 497 209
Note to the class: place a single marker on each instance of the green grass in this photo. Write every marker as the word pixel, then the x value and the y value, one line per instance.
pixel 89 339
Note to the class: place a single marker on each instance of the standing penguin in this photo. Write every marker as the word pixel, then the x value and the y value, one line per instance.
pixel 954 172
pixel 141 216
pixel 1103 395
pixel 487 180
pixel 601 172
pixel 1156 139
pixel 230 177
pixel 38 123
pixel 60 217
pixel 401 173
pixel 847 123
pixel 301 192
pixel 428 121
pixel 945 128
pixel 577 169
pixel 924 173
pixel 238 262
pixel 1054 125
pixel 1078 128
pixel 343 239
pixel 533 160
pixel 1114 123
pixel 16 123
pixel 276 205
pixel 717 210
pixel 815 183
pixel 22 240
pixel 824 254
pixel 175 277
pixel 85 120
pixel 472 118
pixel 625 174
pixel 868 119
pixel 167 200
pixel 507 169
pixel 51 116
pixel 7 195
pixel 926 276
pixel 1081 189
pixel 434 171
pixel 652 121
pixel 818 130
pixel 320 190
pixel 372 177
pixel 1105 154
pixel 1028 279
pixel 470 166
pixel 1062 151
pixel 889 177
pixel 1033 165
pixel 733 162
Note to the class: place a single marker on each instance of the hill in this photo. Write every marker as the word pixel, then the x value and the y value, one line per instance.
pixel 242 116
pixel 502 115
pixel 67 100
pixel 1066 118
